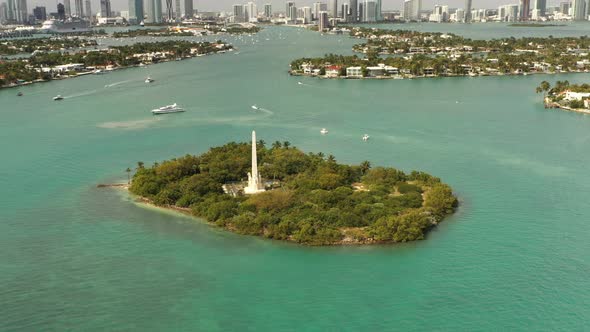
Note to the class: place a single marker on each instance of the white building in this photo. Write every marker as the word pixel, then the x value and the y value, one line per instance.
pixel 255 184
pixel 354 72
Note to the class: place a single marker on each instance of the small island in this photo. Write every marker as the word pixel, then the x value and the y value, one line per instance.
pixel 566 96
pixel 304 198
pixel 44 66
pixel 398 54
pixel 198 30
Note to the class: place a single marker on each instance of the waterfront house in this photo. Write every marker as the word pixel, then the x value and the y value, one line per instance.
pixel 354 72
pixel 570 95
pixel 333 71
pixel 375 71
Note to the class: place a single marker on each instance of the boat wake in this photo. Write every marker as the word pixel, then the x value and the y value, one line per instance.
pixel 81 94
pixel 129 125
pixel 264 110
pixel 116 83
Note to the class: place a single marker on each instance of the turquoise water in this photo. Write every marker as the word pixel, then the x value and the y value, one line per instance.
pixel 74 257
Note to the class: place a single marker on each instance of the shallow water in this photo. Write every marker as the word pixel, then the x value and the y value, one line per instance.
pixel 74 257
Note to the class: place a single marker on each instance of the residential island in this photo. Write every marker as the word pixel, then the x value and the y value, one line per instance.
pixel 410 54
pixel 44 67
pixel 566 96
pixel 199 30
pixel 304 198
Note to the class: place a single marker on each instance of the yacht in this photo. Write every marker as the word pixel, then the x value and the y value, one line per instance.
pixel 174 108
pixel 324 131
pixel 58 97
pixel 366 137
pixel 149 80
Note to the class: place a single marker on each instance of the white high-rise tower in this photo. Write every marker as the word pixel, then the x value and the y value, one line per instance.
pixel 255 184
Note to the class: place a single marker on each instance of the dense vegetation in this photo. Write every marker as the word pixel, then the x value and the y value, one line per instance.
pixel 16 46
pixel 556 95
pixel 314 200
pixel 168 32
pixel 441 54
pixel 118 56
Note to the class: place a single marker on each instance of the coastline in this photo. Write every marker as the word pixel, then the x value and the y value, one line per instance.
pixel 550 104
pixel 350 234
pixel 14 85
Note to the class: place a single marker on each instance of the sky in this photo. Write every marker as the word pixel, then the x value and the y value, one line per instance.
pixel 278 5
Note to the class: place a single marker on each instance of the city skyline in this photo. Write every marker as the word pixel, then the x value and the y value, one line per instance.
pixel 226 5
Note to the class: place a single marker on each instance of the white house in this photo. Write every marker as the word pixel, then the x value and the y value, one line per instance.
pixel 570 95
pixel 354 72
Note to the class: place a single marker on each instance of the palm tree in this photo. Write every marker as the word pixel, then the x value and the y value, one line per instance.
pixel 286 144
pixel 365 166
pixel 128 170
pixel 277 145
pixel 262 143
pixel 140 165
pixel 331 159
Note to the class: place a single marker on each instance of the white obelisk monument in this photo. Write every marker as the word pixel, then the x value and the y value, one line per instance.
pixel 255 184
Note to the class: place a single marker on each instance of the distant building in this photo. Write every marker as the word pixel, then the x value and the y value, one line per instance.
pixel 579 12
pixel 79 8
pixel 251 12
pixel 317 8
pixel 412 10
pixel 467 16
pixel 290 11
pixel 306 15
pixel 323 21
pixel 564 8
pixel 40 13
pixel 524 10
pixel 105 8
pixel 68 8
pixel 135 11
pixel 345 12
pixel 88 10
pixel 189 9
pixel 239 13
pixel 460 15
pixel 368 11
pixel 333 8
pixel 268 10
pixel 354 10
pixel 154 11
pixel 3 12
pixel 61 11
pixel 540 8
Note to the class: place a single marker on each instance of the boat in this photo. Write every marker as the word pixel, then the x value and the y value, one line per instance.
pixel 174 108
pixel 299 83
pixel 324 131
pixel 58 97
pixel 19 94
pixel 149 80
pixel 366 137
pixel 254 107
pixel 69 26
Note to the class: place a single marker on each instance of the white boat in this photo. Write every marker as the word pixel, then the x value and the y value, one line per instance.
pixel 366 137
pixel 58 97
pixel 149 80
pixel 324 131
pixel 254 107
pixel 174 108
pixel 69 26
pixel 299 83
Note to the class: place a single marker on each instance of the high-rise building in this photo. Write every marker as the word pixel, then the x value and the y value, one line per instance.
pixel 333 8
pixel 239 13
pixel 154 11
pixel 177 11
pixel 317 8
pixel 169 11
pixel 354 10
pixel 290 14
pixel 88 10
pixel 368 11
pixel 467 16
pixel 323 21
pixel 345 9
pixel 40 13
pixel 10 10
pixel 524 10
pixel 79 8
pixel 540 6
pixel 61 11
pixel 3 12
pixel 22 14
pixel 189 9
pixel 306 15
pixel 268 10
pixel 135 11
pixel 378 10
pixel 564 7
pixel 68 7
pixel 412 9
pixel 251 12
pixel 105 8
pixel 460 15
pixel 579 10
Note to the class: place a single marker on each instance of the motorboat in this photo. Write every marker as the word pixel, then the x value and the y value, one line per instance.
pixel 174 108
pixel 149 80
pixel 254 107
pixel 58 97
pixel 324 131
pixel 300 83
pixel 19 94
pixel 366 137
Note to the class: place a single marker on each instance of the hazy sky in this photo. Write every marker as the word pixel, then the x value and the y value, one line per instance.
pixel 278 5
